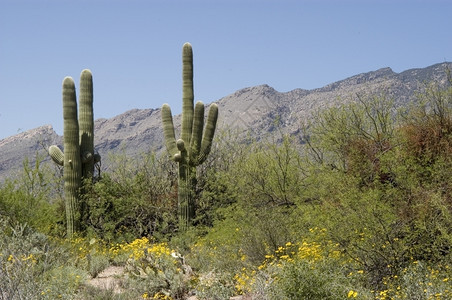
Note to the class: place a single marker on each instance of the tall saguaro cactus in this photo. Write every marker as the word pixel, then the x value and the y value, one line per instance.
pixel 78 158
pixel 194 146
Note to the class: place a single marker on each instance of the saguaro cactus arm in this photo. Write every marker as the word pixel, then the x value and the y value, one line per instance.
pixel 201 143
pixel 198 124
pixel 57 155
pixel 209 132
pixel 86 123
pixel 168 130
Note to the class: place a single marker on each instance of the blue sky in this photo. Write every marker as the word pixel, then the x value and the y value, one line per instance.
pixel 133 48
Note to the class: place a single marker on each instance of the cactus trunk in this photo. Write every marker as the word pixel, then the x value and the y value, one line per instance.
pixel 72 165
pixel 185 196
pixel 194 146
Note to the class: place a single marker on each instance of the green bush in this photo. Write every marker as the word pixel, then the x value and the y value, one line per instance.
pixel 30 199
pixel 418 280
pixel 34 267
pixel 300 280
pixel 155 269
pixel 215 286
pixel 132 201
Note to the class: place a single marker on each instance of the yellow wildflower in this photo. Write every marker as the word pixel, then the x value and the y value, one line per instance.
pixel 352 294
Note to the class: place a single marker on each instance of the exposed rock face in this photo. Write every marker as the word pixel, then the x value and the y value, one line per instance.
pixel 257 108
pixel 254 110
pixel 14 149
pixel 133 132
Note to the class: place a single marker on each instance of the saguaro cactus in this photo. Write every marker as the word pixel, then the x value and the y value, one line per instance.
pixel 78 158
pixel 193 147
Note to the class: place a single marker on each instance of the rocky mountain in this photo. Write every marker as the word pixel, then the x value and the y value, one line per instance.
pixel 251 110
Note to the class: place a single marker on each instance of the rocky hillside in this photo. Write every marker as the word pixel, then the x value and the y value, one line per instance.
pixel 251 110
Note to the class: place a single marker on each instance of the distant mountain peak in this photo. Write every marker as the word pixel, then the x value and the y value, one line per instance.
pixel 43 130
pixel 380 74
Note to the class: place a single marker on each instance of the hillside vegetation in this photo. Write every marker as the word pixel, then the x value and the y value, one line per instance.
pixel 361 208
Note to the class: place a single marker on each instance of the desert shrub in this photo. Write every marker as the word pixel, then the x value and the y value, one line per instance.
pixel 266 183
pixel 381 227
pixel 214 192
pixel 363 225
pixel 215 286
pixel 350 138
pixel 94 293
pixel 132 200
pixel 34 267
pixel 269 176
pixel 377 198
pixel 219 249
pixel 62 282
pixel 156 270
pixel 88 254
pixel 300 280
pixel 29 199
pixel 264 231
pixel 427 127
pixel 302 270
pixel 418 280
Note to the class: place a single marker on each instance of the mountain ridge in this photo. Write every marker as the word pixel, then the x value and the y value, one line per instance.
pixel 251 109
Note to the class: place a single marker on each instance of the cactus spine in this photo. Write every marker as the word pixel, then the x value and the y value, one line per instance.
pixel 78 158
pixel 193 147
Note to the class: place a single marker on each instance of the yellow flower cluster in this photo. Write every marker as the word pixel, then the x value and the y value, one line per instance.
pixel 244 280
pixel 289 253
pixel 431 283
pixel 160 249
pixel 158 296
pixel 307 251
pixel 24 258
pixel 310 251
pixel 140 247
pixel 352 294
pixel 81 247
pixel 134 249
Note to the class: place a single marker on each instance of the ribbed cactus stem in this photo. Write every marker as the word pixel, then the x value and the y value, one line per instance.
pixel 72 171
pixel 57 155
pixel 187 92
pixel 198 124
pixel 78 158
pixel 209 131
pixel 194 146
pixel 86 123
pixel 168 130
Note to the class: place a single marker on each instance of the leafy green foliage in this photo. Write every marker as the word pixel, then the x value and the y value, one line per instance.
pixel 131 202
pixel 34 267
pixel 157 269
pixel 358 179
pixel 362 209
pixel 26 199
